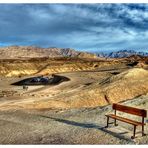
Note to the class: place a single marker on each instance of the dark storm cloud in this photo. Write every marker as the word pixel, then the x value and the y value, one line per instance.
pixel 91 27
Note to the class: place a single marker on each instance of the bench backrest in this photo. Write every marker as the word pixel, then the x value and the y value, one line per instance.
pixel 130 110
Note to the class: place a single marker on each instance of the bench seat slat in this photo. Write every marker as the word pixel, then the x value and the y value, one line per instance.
pixel 125 119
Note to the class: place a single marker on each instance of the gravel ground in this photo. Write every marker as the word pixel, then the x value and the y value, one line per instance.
pixel 75 126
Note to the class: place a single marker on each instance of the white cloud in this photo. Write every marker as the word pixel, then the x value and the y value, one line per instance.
pixel 89 26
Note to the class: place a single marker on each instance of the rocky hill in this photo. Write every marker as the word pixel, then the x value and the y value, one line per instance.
pixel 44 66
pixel 34 52
pixel 122 54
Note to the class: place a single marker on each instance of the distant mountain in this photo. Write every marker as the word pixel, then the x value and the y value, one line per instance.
pixel 122 54
pixel 32 52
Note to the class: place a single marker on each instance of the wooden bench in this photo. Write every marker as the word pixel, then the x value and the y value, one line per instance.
pixel 130 110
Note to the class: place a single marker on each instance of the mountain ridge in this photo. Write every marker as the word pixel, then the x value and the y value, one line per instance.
pixel 32 51
pixel 122 54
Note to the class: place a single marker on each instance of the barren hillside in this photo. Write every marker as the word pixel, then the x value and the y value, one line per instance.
pixel 13 52
pixel 45 66
pixel 85 89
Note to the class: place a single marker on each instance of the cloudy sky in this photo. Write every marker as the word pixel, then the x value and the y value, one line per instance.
pixel 88 27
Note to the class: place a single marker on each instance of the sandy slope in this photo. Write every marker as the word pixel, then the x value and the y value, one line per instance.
pixel 85 89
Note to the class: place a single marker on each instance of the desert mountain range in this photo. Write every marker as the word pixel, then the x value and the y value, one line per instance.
pixel 32 51
pixel 122 54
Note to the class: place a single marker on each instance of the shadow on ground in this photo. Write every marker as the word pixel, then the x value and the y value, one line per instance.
pixel 91 125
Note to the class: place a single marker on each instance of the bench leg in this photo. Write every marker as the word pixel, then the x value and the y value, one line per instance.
pixel 143 134
pixel 107 122
pixel 115 123
pixel 134 132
